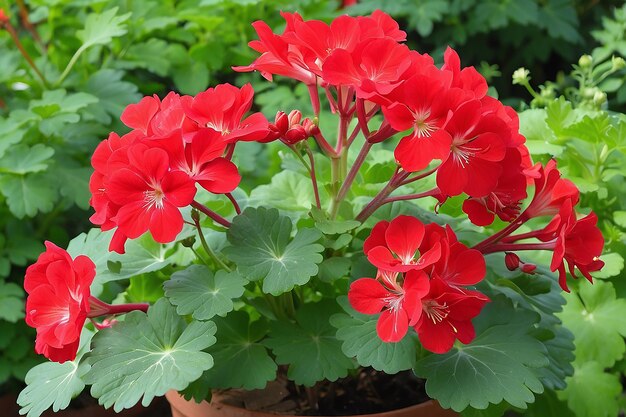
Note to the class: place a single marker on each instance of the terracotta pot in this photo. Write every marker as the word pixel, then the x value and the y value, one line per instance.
pixel 184 408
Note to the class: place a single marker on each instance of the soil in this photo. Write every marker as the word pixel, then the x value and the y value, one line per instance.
pixel 367 392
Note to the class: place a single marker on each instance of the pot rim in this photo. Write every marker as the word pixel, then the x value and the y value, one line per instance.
pixel 175 398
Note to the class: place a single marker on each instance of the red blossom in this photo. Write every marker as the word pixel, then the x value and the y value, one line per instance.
pixel 505 200
pixel 578 242
pixel 478 144
pixel 222 108
pixel 201 159
pixel 446 316
pixel 393 246
pixel 374 67
pixel 151 116
pixel 149 195
pixel 551 191
pixel 58 301
pixel 400 303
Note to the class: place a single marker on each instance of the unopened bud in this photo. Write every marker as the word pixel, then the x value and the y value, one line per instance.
pixel 310 128
pixel 4 18
pixel 521 76
pixel 589 92
pixel 529 268
pixel 188 242
pixel 281 122
pixel 294 117
pixel 295 135
pixel 511 261
pixel 195 215
pixel 599 98
pixel 618 63
pixel 585 61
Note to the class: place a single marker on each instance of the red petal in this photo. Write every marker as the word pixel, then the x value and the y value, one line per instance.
pixel 166 223
pixel 403 236
pixel 367 296
pixel 219 176
pixel 376 237
pixel 392 325
pixel 451 177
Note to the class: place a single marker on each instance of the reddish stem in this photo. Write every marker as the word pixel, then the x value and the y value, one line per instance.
pixel 16 40
pixel 100 308
pixel 512 247
pixel 315 98
pixel 324 145
pixel 29 26
pixel 210 213
pixel 235 204
pixel 510 228
pixel 420 176
pixel 354 170
pixel 379 199
pixel 521 236
pixel 430 193
pixel 318 203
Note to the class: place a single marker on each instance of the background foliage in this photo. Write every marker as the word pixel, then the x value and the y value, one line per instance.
pixel 95 57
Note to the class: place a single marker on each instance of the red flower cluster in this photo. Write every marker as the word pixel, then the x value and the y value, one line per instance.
pixel 422 280
pixel 446 110
pixel 58 301
pixel 142 179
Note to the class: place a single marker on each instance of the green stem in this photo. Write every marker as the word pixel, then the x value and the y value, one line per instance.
pixel 207 248
pixel 70 65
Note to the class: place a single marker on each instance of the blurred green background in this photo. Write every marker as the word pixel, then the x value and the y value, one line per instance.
pixel 69 67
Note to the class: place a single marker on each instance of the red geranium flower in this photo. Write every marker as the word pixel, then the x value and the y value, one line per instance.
pixel 400 304
pixel 151 116
pixel 149 195
pixel 551 191
pixel 202 159
pixel 467 78
pixel 505 200
pixel 373 67
pixel 478 145
pixel 579 242
pixel 393 246
pixel 459 266
pixel 58 301
pixel 222 109
pixel 446 316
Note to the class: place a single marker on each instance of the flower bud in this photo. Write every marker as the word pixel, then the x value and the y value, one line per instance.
pixel 281 122
pixel 4 18
pixel 511 261
pixel 589 92
pixel 311 128
pixel 599 98
pixel 295 135
pixel 188 242
pixel 585 61
pixel 521 76
pixel 618 63
pixel 294 117
pixel 529 268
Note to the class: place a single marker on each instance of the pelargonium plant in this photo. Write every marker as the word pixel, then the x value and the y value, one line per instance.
pixel 415 202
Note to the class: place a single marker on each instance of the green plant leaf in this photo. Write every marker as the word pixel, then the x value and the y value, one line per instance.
pixel 359 339
pixel 331 227
pixel 22 159
pixel 113 94
pixel 101 28
pixel 240 360
pixel 198 292
pixel 28 194
pixel 613 265
pixel 496 366
pixel 591 392
pixel 309 347
pixel 540 139
pixel 147 355
pixel 596 317
pixel 53 384
pixel 11 302
pixel 334 268
pixel 142 255
pixel 262 249
pixel 289 191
